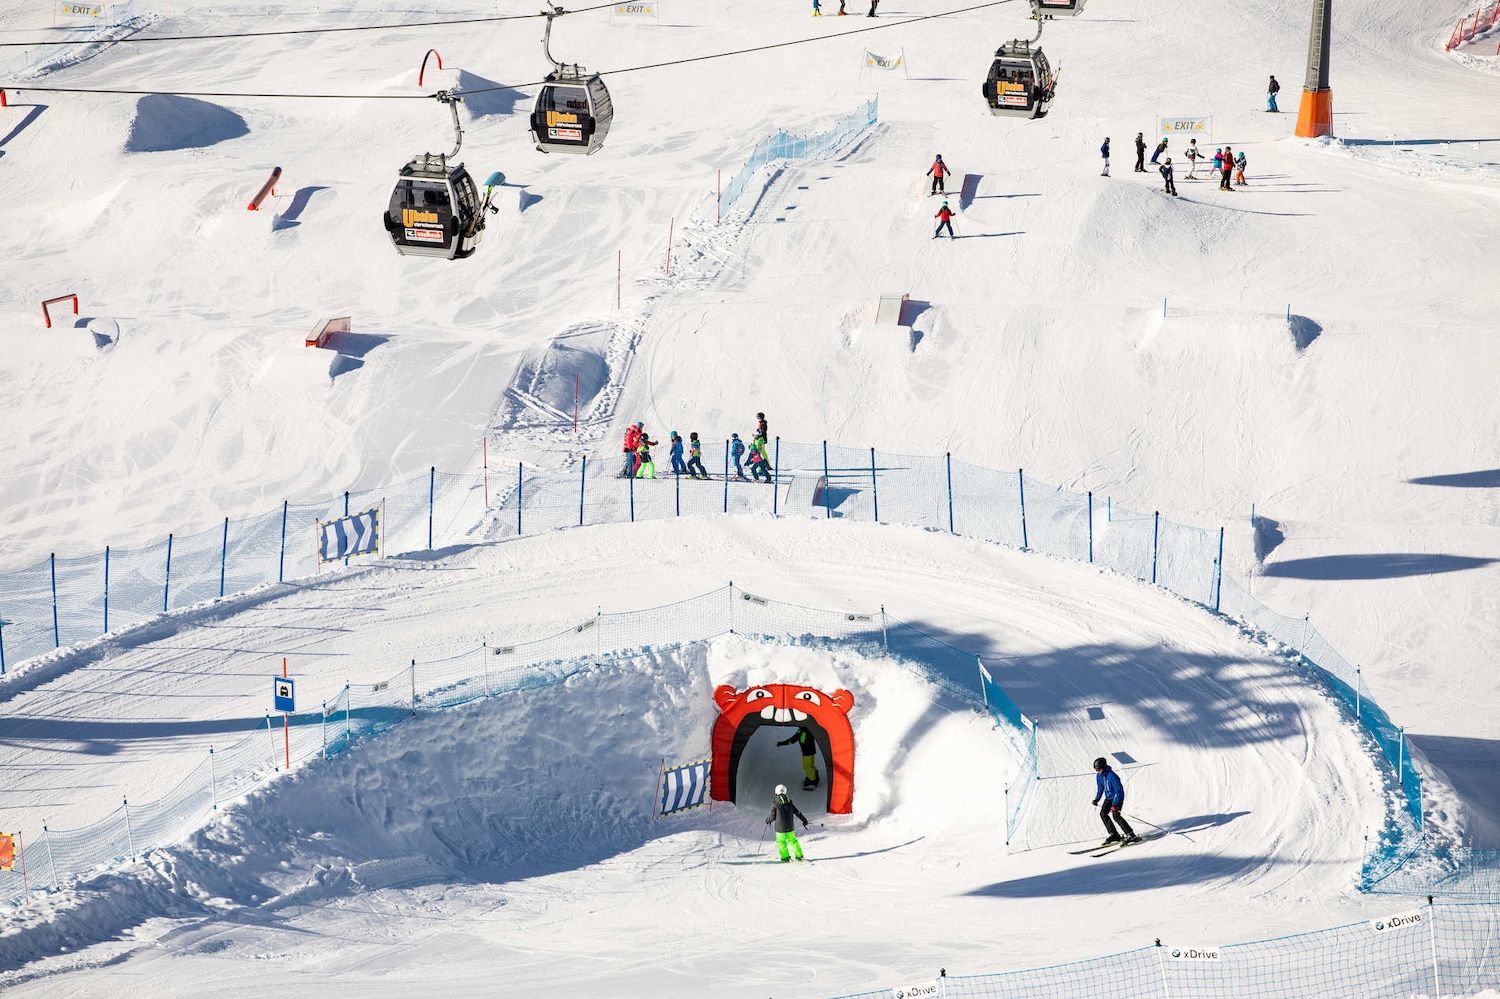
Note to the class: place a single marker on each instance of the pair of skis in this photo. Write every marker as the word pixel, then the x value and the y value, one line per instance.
pixel 1105 849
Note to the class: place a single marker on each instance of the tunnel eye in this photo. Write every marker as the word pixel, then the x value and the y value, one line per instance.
pixel 807 695
pixel 757 695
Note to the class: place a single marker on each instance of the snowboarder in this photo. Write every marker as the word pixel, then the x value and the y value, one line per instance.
pixel 632 441
pixel 1272 89
pixel 1161 147
pixel 737 451
pixel 782 810
pixel 1239 169
pixel 695 458
pixel 803 737
pixel 1166 175
pixel 1193 153
pixel 679 467
pixel 1140 152
pixel 1104 151
pixel 937 172
pixel 1226 167
pixel 1109 791
pixel 945 218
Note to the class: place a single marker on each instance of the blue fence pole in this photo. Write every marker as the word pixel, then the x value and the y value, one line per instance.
pixel 776 480
pixel 56 635
pixel 583 470
pixel 281 565
pixel 1021 483
pixel 1155 541
pixel 431 501
pixel 948 460
pixel 346 507
pixel 632 499
pixel 2 646
pixel 1091 526
pixel 726 476
pixel 677 491
pixel 827 497
pixel 166 589
pixel 224 557
pixel 519 483
pixel 1219 576
pixel 106 589
pixel 874 486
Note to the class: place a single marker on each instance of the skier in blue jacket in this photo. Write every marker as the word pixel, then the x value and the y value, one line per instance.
pixel 679 467
pixel 1111 793
pixel 737 452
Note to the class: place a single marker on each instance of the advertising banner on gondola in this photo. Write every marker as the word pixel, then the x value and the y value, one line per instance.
pixel 1171 126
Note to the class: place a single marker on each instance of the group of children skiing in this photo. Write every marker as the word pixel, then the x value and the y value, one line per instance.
pixel 1226 163
pixel 640 465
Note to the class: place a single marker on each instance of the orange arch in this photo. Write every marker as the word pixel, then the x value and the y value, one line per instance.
pixel 825 715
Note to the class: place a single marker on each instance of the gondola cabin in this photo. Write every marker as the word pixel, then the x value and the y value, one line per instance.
pixel 1052 8
pixel 572 113
pixel 1020 82
pixel 435 209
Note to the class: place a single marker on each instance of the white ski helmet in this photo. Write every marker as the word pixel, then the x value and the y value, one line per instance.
pixel 781 789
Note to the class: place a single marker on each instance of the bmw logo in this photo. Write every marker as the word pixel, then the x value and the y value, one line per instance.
pixel 1176 953
pixel 1379 925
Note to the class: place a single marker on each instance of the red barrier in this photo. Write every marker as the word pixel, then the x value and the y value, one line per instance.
pixel 319 337
pixel 3 102
pixel 53 301
pixel 423 71
pixel 267 188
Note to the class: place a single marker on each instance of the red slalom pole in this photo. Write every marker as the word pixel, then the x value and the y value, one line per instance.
pixel 671 226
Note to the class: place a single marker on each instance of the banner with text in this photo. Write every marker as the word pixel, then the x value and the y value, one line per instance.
pixel 1188 128
pixel 637 10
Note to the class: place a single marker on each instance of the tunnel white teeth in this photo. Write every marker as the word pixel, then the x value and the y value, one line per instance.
pixel 769 713
pixel 800 716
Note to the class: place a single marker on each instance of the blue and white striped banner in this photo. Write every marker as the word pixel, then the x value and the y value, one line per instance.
pixel 356 534
pixel 683 787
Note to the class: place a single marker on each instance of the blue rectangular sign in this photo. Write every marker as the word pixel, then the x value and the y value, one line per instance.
pixel 284 694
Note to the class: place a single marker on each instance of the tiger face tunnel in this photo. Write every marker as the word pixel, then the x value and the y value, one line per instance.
pixel 741 713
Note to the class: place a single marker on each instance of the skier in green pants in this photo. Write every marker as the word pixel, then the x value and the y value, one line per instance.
pixel 803 737
pixel 782 810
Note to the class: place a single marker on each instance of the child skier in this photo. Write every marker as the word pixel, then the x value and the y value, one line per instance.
pixel 1109 790
pixel 1239 169
pixel 945 218
pixel 737 451
pixel 782 810
pixel 695 458
pixel 679 467
pixel 817 9
pixel 803 737
pixel 937 172
pixel 1104 151
pixel 1192 153
pixel 758 463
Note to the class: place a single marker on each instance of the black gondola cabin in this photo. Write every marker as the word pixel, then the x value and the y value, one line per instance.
pixel 572 113
pixel 435 210
pixel 1067 8
pixel 1020 82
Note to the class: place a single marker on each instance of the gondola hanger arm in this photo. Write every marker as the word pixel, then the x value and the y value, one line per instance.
pixel 451 99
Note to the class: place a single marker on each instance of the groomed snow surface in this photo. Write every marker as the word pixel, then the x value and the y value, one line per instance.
pixel 509 844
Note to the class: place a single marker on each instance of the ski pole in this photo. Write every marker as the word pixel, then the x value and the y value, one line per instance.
pixel 1153 825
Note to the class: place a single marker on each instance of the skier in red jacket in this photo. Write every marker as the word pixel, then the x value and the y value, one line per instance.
pixel 937 172
pixel 945 218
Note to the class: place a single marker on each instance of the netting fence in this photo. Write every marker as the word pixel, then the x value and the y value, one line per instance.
pixel 63 602
pixel 1444 949
pixel 785 146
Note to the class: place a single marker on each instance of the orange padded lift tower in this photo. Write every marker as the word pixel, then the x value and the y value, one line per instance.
pixel 785 705
pixel 1315 116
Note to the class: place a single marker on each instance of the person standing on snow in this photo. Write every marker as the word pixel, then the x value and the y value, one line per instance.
pixel 1111 793
pixel 937 172
pixel 873 5
pixel 945 218
pixel 1272 89
pixel 632 441
pixel 1140 152
pixel 758 463
pixel 762 429
pixel 1104 151
pixel 782 810
pixel 645 467
pixel 1226 167
pixel 1166 175
pixel 1239 169
pixel 737 451
pixel 1192 153
pixel 803 737
pixel 679 467
pixel 1161 147
pixel 695 458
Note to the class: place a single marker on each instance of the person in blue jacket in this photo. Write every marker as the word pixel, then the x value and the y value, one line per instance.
pixel 679 467
pixel 737 452
pixel 1109 794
